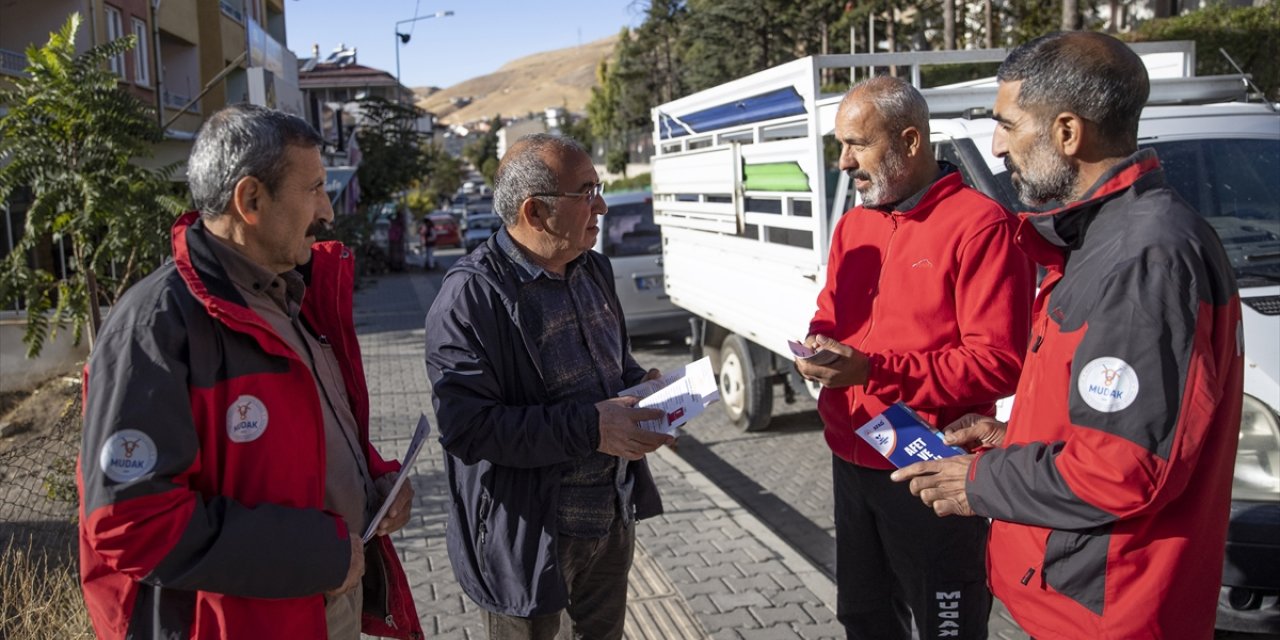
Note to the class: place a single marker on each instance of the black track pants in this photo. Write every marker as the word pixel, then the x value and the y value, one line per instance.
pixel 896 559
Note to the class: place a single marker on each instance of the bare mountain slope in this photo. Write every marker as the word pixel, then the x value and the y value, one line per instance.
pixel 529 84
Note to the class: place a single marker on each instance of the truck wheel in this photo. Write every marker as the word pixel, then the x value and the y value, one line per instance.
pixel 747 395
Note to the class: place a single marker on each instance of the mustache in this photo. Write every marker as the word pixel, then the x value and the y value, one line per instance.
pixel 860 174
pixel 318 227
pixel 1009 165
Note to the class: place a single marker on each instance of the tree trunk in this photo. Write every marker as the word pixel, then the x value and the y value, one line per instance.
pixel 91 292
pixel 948 24
pixel 989 28
pixel 1070 15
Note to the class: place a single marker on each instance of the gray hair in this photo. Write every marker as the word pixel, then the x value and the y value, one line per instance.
pixel 1089 74
pixel 238 141
pixel 524 172
pixel 900 104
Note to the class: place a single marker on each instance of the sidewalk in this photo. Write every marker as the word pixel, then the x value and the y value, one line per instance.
pixel 706 569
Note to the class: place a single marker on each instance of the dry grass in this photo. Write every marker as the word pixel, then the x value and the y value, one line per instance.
pixel 40 592
pixel 561 77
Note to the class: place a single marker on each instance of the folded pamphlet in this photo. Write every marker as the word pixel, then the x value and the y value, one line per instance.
pixel 902 437
pixel 415 445
pixel 681 394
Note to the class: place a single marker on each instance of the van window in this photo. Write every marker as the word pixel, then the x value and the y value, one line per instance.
pixel 630 231
pixel 1232 183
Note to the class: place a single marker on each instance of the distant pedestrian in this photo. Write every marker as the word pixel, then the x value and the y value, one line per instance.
pixel 926 302
pixel 526 352
pixel 1110 486
pixel 396 241
pixel 427 236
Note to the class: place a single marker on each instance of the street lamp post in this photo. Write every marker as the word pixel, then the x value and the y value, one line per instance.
pixel 403 38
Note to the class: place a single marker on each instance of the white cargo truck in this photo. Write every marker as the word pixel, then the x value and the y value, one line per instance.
pixel 746 189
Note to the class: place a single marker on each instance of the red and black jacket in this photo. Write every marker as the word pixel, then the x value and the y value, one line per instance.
pixel 1111 494
pixel 202 468
pixel 939 299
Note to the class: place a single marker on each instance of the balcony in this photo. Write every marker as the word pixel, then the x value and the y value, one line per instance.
pixel 233 9
pixel 177 101
pixel 12 63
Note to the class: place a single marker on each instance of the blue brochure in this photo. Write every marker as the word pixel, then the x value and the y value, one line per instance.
pixel 900 435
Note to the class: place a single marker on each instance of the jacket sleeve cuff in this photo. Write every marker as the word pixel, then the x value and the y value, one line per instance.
pixel 592 423
pixel 880 379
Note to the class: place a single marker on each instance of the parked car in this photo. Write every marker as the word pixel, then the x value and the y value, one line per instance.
pixel 479 227
pixel 447 233
pixel 633 244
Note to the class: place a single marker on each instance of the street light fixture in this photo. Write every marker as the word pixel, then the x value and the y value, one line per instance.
pixel 403 38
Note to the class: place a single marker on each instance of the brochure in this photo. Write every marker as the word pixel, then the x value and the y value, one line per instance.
pixel 901 436
pixel 682 394
pixel 420 434
pixel 818 357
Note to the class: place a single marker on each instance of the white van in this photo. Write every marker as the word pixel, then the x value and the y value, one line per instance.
pixel 633 244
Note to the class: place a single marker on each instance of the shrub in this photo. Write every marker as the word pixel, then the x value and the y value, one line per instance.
pixel 1248 34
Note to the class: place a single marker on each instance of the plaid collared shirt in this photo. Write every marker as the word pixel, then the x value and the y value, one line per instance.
pixel 581 350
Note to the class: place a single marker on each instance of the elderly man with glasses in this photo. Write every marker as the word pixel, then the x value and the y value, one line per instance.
pixel 526 352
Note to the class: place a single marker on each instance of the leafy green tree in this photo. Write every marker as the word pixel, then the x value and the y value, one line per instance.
pixel 443 176
pixel 70 136
pixel 579 128
pixel 616 160
pixel 1248 34
pixel 390 146
pixel 482 152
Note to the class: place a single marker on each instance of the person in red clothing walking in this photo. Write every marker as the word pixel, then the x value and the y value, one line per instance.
pixel 926 302
pixel 1110 487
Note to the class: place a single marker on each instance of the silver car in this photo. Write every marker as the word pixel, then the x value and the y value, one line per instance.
pixel 633 244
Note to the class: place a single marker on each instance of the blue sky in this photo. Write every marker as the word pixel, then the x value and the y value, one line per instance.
pixel 479 37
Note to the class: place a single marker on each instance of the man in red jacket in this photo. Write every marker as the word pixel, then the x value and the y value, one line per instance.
pixel 226 474
pixel 1111 483
pixel 926 302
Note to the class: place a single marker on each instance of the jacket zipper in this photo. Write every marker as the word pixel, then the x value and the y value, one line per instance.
pixel 871 316
pixel 879 277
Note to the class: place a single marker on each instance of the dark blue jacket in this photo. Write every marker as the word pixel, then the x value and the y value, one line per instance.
pixel 505 446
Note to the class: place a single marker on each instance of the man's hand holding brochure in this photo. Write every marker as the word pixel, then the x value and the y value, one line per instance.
pixel 420 434
pixel 933 462
pixel 680 394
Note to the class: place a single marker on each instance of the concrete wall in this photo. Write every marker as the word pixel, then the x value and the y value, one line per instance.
pixel 58 357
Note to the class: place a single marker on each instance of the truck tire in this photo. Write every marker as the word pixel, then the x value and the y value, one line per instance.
pixel 746 394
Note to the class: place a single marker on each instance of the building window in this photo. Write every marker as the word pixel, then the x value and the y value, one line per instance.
pixel 115 31
pixel 141 65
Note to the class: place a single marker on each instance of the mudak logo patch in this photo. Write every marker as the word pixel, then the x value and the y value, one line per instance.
pixel 246 419
pixel 1108 384
pixel 127 455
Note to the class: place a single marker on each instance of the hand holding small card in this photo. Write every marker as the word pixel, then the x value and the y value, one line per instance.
pixel 819 357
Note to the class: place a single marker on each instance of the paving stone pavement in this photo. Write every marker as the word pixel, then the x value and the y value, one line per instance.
pixel 732 576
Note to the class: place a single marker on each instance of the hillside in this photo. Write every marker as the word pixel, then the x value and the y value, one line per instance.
pixel 529 84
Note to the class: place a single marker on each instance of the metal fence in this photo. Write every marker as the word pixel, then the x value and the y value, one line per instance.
pixel 37 474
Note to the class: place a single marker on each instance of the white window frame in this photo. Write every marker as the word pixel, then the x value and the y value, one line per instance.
pixel 115 31
pixel 141 55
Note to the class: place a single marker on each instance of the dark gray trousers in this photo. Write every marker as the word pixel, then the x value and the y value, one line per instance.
pixel 896 559
pixel 595 572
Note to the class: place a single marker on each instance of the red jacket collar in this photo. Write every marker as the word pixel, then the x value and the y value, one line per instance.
pixel 948 182
pixel 1046 235
pixel 209 284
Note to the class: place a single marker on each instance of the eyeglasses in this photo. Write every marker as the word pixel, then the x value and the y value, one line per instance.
pixel 594 191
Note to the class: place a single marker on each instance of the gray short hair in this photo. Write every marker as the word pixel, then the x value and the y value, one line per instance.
pixel 900 104
pixel 1089 74
pixel 524 172
pixel 238 141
